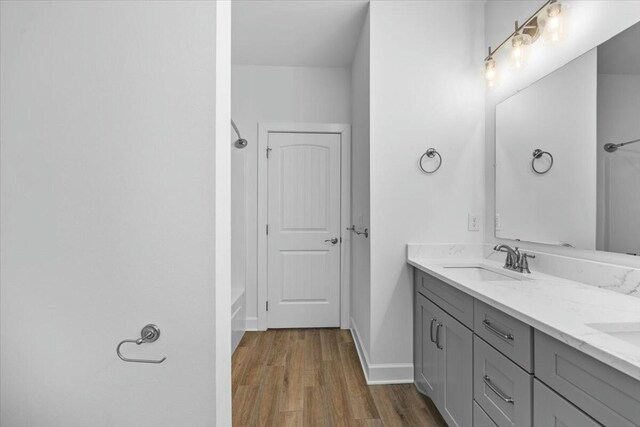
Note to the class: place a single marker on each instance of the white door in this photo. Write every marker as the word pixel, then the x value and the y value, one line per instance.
pixel 304 230
pixel 108 213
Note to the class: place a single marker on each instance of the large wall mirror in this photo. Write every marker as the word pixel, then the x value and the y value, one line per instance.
pixel 568 153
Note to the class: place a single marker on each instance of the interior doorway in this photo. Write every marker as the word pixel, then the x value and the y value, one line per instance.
pixel 303 208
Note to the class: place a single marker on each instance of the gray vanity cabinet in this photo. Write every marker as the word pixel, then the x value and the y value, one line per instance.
pixel 501 388
pixel 509 374
pixel 443 354
pixel 456 364
pixel 552 410
pixel 426 353
pixel 609 396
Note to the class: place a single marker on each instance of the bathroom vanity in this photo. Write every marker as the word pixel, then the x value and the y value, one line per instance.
pixel 498 348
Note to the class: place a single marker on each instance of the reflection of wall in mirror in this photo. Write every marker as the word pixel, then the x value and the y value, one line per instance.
pixel 619 121
pixel 556 114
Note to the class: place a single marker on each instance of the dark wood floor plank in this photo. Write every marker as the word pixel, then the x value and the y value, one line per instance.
pixel 360 399
pixel 314 413
pixel 390 414
pixel 243 405
pixel 258 354
pixel 267 409
pixel 312 349
pixel 293 387
pixel 240 359
pixel 313 377
pixel 278 355
pixel 336 394
pixel 290 419
pixel 329 344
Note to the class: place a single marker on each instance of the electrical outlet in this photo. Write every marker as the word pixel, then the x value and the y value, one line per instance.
pixel 496 222
pixel 474 222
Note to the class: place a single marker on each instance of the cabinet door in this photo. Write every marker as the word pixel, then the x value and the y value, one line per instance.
pixel 427 372
pixel 551 410
pixel 456 364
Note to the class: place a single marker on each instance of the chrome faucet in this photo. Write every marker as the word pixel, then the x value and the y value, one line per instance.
pixel 523 264
pixel 515 260
pixel 513 256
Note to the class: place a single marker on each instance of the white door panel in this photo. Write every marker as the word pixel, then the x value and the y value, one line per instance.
pixel 304 212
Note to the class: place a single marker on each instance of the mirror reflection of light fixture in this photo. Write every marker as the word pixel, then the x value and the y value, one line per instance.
pixel 553 22
pixel 490 70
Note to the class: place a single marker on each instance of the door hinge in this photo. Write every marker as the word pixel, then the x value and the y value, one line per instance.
pixel 267 305
pixel 268 150
pixel 267 229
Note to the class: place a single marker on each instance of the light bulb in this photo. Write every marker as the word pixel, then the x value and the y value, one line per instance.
pixel 553 23
pixel 490 72
pixel 519 49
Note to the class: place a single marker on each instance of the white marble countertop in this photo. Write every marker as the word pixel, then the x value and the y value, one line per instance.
pixel 561 308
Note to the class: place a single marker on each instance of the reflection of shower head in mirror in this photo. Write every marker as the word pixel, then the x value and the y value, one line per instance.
pixel 240 142
pixel 610 148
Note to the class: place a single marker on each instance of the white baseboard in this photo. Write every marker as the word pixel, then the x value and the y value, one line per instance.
pixel 251 324
pixel 380 373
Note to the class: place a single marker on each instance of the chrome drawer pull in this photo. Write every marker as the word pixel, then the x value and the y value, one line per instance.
pixel 431 330
pixel 438 336
pixel 496 390
pixel 497 331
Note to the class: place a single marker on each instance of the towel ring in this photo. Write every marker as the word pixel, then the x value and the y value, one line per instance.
pixel 149 334
pixel 430 153
pixel 538 153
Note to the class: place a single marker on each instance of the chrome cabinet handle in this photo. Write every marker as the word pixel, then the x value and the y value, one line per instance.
pixel 333 241
pixel 431 329
pixel 438 336
pixel 496 331
pixel 149 334
pixel 496 390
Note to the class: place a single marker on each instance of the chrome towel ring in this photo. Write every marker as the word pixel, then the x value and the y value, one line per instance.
pixel 149 334
pixel 430 153
pixel 538 153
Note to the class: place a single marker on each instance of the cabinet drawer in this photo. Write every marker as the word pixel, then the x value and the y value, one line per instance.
pixel 511 337
pixel 455 302
pixel 501 387
pixel 480 418
pixel 606 394
pixel 551 410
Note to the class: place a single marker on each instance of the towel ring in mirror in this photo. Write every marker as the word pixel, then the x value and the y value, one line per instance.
pixel 538 153
pixel 430 153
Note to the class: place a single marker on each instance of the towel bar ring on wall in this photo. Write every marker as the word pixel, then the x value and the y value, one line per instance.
pixel 538 153
pixel 430 153
pixel 149 334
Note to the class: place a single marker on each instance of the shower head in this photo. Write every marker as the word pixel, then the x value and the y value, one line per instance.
pixel 240 142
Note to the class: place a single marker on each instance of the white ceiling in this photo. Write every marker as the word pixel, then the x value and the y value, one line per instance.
pixel 621 54
pixel 302 33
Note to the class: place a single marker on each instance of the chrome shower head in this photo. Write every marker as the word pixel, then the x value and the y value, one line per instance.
pixel 240 142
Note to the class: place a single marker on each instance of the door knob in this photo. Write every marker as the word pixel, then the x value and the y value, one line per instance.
pixel 333 241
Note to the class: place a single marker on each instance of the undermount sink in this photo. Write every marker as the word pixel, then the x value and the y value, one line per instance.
pixel 628 331
pixel 480 273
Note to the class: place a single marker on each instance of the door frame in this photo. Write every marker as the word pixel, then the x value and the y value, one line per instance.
pixel 344 130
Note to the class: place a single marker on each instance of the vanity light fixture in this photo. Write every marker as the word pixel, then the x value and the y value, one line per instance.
pixel 548 21
pixel 552 20
pixel 490 70
pixel 519 48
